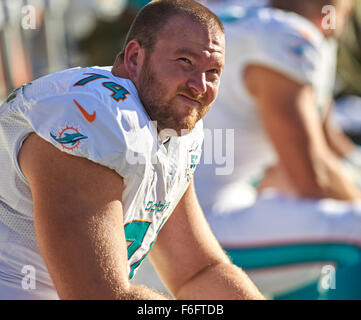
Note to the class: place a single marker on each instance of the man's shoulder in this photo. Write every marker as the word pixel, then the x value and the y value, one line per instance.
pixel 115 99
pixel 271 23
pixel 287 26
pixel 281 40
pixel 100 82
pixel 92 114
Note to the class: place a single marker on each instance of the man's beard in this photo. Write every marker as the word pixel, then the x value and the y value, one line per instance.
pixel 152 92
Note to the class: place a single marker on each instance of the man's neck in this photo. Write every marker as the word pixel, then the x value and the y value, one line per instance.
pixel 118 70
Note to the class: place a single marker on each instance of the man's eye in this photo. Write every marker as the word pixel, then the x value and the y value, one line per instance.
pixel 186 60
pixel 215 71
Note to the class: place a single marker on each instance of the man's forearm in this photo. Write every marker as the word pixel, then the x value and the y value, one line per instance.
pixel 338 185
pixel 223 281
pixel 319 173
pixel 337 141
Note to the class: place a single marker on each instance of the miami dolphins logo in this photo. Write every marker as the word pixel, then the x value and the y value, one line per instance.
pixel 69 137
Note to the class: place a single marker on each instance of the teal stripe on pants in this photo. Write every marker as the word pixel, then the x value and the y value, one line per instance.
pixel 346 257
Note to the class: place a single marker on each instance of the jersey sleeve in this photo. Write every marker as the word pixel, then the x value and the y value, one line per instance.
pixel 284 50
pixel 81 125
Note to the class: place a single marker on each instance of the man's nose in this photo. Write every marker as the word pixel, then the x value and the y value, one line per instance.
pixel 197 83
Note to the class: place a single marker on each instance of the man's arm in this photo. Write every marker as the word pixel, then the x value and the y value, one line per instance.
pixel 191 262
pixel 78 221
pixel 288 113
pixel 336 139
pixel 348 153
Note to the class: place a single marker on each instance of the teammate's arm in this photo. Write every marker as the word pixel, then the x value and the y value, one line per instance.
pixel 336 139
pixel 78 221
pixel 191 262
pixel 288 112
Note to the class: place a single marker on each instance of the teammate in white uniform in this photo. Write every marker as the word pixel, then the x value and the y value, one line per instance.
pixel 76 223
pixel 276 213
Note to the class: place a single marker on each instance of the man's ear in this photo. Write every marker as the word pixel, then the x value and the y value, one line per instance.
pixel 133 59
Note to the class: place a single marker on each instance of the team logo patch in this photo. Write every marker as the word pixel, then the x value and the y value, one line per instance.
pixel 69 137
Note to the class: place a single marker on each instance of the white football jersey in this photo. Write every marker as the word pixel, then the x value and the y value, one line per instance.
pixel 90 113
pixel 282 41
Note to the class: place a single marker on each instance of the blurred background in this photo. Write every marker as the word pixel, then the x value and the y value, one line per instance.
pixel 38 37
pixel 348 84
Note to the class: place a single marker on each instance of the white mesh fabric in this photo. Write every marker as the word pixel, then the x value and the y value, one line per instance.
pixel 15 195
pixel 21 228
